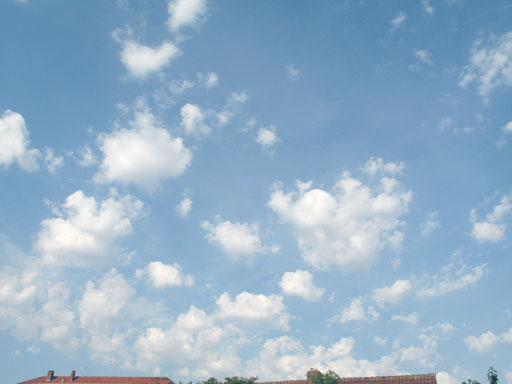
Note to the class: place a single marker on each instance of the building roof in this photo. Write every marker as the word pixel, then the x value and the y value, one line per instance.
pixel 428 378
pixel 51 379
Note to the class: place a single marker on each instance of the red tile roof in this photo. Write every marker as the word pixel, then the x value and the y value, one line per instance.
pixel 99 380
pixel 428 378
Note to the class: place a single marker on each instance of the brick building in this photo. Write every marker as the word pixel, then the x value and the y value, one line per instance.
pixel 428 378
pixel 73 378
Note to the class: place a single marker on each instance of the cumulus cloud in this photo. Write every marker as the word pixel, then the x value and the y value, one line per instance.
pixel 493 229
pixel 267 311
pixel 235 100
pixel 87 158
pixel 430 224
pixel 208 80
pixel 425 355
pixel 347 227
pixel 507 128
pixel 267 138
pixel 53 163
pixel 87 232
pixel 380 340
pixel 178 87
pixel 184 207
pixel 285 356
pixel 236 239
pixel 141 60
pixel 424 56
pixel 356 312
pixel 452 278
pixel 490 64
pixel 14 143
pixel 398 20
pixel 487 341
pixel 186 13
pixel 377 165
pixel 300 283
pixel 392 294
pixel 165 275
pixel 143 155
pixel 411 318
pixel 192 120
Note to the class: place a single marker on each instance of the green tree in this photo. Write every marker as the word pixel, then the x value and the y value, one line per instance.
pixel 471 381
pixel 330 377
pixel 211 380
pixel 492 376
pixel 239 380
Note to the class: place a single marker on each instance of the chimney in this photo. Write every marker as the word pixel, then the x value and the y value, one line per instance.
pixel 311 373
pixel 49 376
pixel 72 375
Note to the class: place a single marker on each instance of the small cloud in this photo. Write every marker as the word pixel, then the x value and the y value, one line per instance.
pixel 267 138
pixel 192 120
pixel 165 275
pixel 178 87
pixel 444 123
pixel 184 207
pixel 87 158
pixel 430 224
pixel 186 13
pixel 208 80
pixel 294 73
pixel 380 340
pixel 300 283
pixel 411 318
pixel 424 56
pixel 493 228
pixel 53 163
pixel 427 7
pixel 398 20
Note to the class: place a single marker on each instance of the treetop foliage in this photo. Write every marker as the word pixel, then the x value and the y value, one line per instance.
pixel 330 377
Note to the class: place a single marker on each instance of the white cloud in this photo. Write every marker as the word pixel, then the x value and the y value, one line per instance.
pixel 508 377
pixel 87 158
pixel 208 80
pixel 392 294
pixel 267 138
pixel 266 311
pixel 300 283
pixel 294 73
pixel 452 278
pixel 235 100
pixel 192 120
pixel 143 155
pixel 411 318
pixel 53 163
pixel 184 207
pixel 286 357
pixel 377 165
pixel 424 56
pixel 141 60
pixel 430 224
pixel 487 341
pixel 14 142
pixel 57 322
pixel 425 355
pixel 398 19
pixel 446 378
pixel 493 229
pixel 236 239
pixel 427 7
pixel 380 340
pixel 185 13
pixel 179 87
pixel 347 227
pixel 86 231
pixel 194 340
pixel 356 312
pixel 490 65
pixel 507 128
pixel 165 275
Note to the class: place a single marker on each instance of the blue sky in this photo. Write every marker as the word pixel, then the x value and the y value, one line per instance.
pixel 194 188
